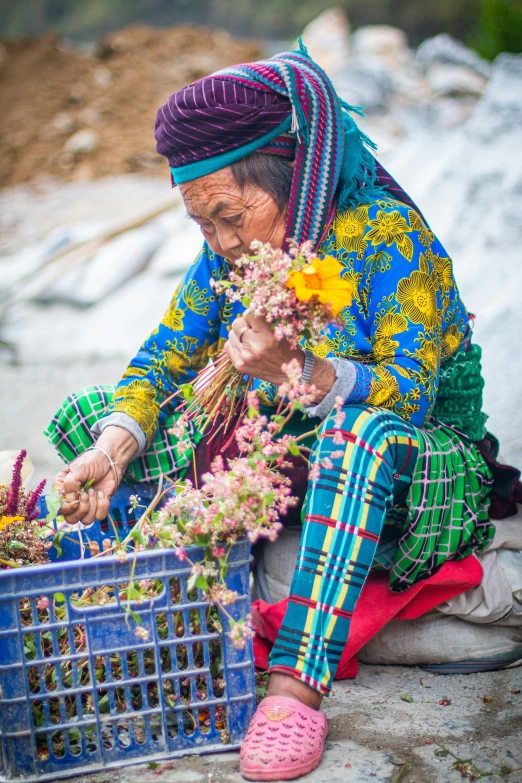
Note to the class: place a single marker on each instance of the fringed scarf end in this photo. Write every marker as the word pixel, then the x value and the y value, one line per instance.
pixel 362 187
pixel 302 48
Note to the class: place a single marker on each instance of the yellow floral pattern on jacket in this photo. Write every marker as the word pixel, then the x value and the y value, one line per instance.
pixel 405 319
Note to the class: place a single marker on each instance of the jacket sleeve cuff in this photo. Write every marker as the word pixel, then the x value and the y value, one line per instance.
pixel 119 419
pixel 346 375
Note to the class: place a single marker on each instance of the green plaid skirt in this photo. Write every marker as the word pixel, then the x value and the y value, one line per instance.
pixel 449 497
pixel 70 433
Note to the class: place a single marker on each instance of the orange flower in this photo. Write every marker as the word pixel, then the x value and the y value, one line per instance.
pixel 322 279
pixel 5 521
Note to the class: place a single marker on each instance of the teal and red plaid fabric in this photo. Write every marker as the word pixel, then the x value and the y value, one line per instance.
pixel 343 516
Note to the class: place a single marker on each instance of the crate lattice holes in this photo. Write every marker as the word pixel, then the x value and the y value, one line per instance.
pixel 79 692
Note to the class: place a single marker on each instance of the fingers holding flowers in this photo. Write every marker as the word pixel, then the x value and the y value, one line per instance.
pixel 81 501
pixel 240 327
pixel 254 350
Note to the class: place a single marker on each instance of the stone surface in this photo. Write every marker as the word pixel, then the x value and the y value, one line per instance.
pixel 445 49
pixel 64 123
pixel 376 736
pixel 455 80
pixel 180 247
pixel 29 214
pixel 113 328
pixel 81 142
pixel 365 81
pixel 384 41
pixel 111 266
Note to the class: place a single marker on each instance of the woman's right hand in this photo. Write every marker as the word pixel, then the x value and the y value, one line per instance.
pixel 88 505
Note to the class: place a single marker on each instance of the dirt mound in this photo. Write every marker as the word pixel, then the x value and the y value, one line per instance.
pixel 79 116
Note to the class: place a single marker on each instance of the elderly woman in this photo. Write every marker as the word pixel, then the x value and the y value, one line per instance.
pixel 268 151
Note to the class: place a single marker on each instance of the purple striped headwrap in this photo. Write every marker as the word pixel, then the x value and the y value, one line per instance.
pixel 286 105
pixel 213 116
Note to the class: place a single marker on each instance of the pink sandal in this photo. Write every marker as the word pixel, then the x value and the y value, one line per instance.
pixel 285 740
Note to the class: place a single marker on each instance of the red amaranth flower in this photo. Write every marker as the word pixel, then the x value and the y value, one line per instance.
pixel 16 485
pixel 31 512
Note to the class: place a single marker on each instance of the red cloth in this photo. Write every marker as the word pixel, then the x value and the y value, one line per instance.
pixel 376 606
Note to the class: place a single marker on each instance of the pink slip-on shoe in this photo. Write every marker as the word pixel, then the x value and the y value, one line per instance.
pixel 285 740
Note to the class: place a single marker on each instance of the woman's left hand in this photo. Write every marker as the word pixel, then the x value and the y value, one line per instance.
pixel 253 350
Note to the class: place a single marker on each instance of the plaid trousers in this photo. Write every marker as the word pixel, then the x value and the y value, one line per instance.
pixel 358 485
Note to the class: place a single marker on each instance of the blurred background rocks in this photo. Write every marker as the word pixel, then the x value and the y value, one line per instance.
pixel 78 114
pixel 93 240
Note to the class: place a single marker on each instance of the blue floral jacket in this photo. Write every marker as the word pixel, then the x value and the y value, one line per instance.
pixel 406 318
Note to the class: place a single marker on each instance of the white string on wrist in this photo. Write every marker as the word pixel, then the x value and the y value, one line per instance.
pixel 111 463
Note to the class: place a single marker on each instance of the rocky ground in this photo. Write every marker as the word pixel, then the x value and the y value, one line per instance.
pixel 376 735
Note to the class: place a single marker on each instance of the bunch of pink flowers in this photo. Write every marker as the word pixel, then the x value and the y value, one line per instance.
pixel 295 292
pixel 260 281
pixel 246 497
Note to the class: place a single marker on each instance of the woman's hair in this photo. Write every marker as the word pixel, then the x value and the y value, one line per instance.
pixel 271 173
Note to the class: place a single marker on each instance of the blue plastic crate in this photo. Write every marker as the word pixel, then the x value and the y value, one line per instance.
pixel 79 692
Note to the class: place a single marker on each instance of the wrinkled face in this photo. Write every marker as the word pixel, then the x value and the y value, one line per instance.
pixel 231 218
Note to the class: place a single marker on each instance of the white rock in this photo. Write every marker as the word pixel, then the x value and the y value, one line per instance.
pixel 17 269
pixel 188 776
pixel 83 141
pixel 102 76
pixel 90 116
pixel 453 113
pixel 28 213
pixel 443 48
pixel 384 41
pixel 411 86
pixel 327 39
pixel 117 326
pixel 120 260
pixel 455 80
pixel 365 81
pixel 112 328
pixel 181 246
pixel 499 115
pixel 64 123
pixel 112 265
